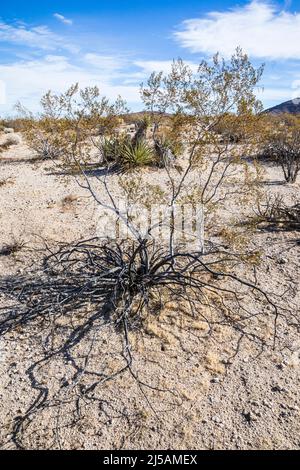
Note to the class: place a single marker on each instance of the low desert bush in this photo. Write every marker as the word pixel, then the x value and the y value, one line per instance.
pixel 45 148
pixel 282 146
pixel 70 124
pixel 274 213
pixel 165 152
pixel 8 130
pixel 14 124
pixel 9 142
pixel 112 148
pixel 13 139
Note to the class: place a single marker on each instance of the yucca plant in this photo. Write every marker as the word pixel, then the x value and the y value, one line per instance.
pixel 140 154
pixel 109 149
pixel 141 130
pixel 112 148
pixel 165 153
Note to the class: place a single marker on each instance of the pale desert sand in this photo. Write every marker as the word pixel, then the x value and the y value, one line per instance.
pixel 249 401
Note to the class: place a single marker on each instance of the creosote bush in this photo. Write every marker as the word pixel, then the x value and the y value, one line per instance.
pixel 78 289
pixel 283 145
pixel 71 124
pixel 12 139
pixel 274 214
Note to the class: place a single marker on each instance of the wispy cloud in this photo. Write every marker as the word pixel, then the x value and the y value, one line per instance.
pixel 275 95
pixel 28 80
pixel 38 37
pixel 63 19
pixel 260 28
pixel 105 62
pixel 149 66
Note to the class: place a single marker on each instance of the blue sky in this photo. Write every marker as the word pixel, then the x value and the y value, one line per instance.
pixel 116 44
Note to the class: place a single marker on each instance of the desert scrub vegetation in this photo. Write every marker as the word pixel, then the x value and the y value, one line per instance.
pixel 81 290
pixel 9 141
pixel 129 151
pixel 273 213
pixel 282 145
pixel 68 202
pixel 71 124
pixel 12 139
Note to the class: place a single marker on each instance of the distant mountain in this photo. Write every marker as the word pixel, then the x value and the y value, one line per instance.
pixel 290 107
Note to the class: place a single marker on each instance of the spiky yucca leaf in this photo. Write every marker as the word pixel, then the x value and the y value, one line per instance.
pixel 112 148
pixel 140 154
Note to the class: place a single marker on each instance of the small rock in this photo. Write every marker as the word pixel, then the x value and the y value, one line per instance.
pixel 293 407
pixel 249 416
pixel 215 380
pixel 216 419
pixel 267 404
pixel 277 388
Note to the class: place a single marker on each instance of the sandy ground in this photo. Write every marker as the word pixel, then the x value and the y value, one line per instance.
pixel 210 396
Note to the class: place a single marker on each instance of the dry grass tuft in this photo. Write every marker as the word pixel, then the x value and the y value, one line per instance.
pixel 68 202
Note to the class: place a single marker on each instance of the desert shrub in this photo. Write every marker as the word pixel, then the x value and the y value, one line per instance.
pixel 165 152
pixel 13 139
pixel 112 148
pixel 69 123
pixel 266 152
pixel 105 282
pixel 141 127
pixel 138 154
pixel 17 124
pixel 9 142
pixel 282 146
pixel 274 213
pixel 46 148
pixel 229 129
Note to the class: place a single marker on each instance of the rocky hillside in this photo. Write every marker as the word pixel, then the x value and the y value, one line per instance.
pixel 291 107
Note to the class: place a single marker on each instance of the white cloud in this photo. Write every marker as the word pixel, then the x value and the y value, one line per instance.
pixel 276 95
pixel 259 28
pixel 27 81
pixel 38 37
pixel 149 66
pixel 104 62
pixel 63 19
